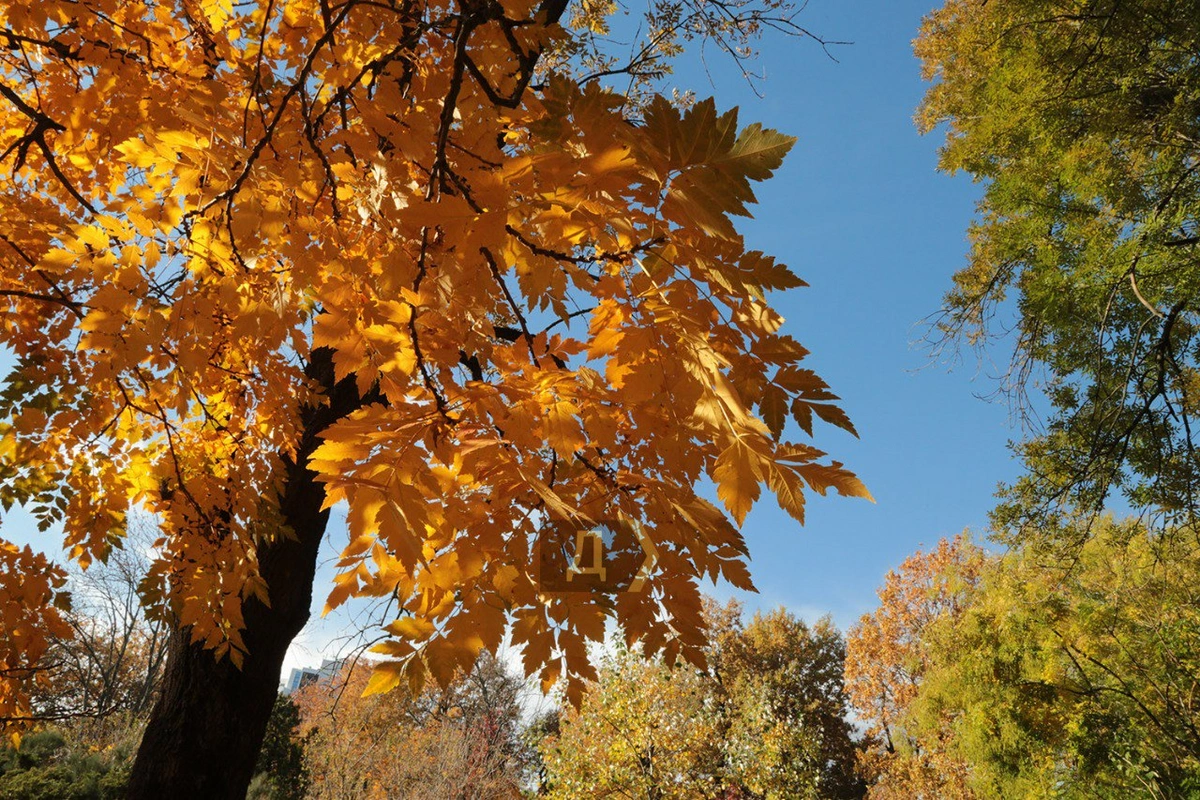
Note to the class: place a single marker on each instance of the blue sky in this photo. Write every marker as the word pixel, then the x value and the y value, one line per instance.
pixel 859 212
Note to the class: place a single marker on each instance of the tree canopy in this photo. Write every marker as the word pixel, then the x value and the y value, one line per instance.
pixel 1028 677
pixel 766 719
pixel 1082 119
pixel 462 741
pixel 263 258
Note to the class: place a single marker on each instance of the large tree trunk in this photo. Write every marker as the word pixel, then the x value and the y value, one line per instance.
pixel 206 729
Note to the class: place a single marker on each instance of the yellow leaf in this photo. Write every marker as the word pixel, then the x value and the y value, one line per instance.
pixel 562 428
pixel 737 476
pixel 413 628
pixel 385 677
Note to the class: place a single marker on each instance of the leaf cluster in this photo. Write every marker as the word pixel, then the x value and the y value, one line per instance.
pixel 249 247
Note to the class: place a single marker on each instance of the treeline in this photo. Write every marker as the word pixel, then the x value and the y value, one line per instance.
pixel 766 717
pixel 1037 672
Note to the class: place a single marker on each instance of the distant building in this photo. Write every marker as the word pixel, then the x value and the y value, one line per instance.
pixel 304 676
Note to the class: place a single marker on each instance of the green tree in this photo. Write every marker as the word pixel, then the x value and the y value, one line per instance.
pixel 1019 676
pixel 766 718
pixel 782 682
pixel 1082 120
pixel 280 773
pixel 1074 680
pixel 643 730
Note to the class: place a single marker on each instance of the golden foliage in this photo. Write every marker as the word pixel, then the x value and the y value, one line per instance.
pixel 545 307
pixel 885 668
pixel 29 615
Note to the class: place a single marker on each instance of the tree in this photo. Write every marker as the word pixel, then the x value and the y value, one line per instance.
pixel 1021 676
pixel 281 772
pixel 462 741
pixel 111 662
pixel 782 680
pixel 644 730
pixel 886 666
pixel 261 259
pixel 1082 119
pixel 765 719
pixel 1075 679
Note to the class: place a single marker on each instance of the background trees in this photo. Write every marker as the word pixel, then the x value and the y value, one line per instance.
pixel 781 687
pixel 111 663
pixel 1023 677
pixel 462 741
pixel 645 730
pixel 765 718
pixel 887 662
pixel 281 772
pixel 1076 678
pixel 90 692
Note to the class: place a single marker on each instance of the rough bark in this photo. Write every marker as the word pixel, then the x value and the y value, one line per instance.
pixel 206 729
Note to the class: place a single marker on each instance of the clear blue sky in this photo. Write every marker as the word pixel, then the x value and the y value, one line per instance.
pixel 859 212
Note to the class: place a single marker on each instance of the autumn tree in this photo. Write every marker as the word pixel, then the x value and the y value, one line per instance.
pixel 462 741
pixel 1082 120
pixel 886 665
pixel 264 258
pixel 112 660
pixel 766 718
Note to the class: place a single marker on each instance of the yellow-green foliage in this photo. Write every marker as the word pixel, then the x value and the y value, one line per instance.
pixel 1071 678
pixel 1082 119
pixel 765 718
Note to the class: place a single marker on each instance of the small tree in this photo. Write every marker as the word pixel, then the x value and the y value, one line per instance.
pixel 781 681
pixel 462 741
pixel 766 717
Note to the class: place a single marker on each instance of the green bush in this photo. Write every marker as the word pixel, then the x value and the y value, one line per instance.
pixel 48 766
